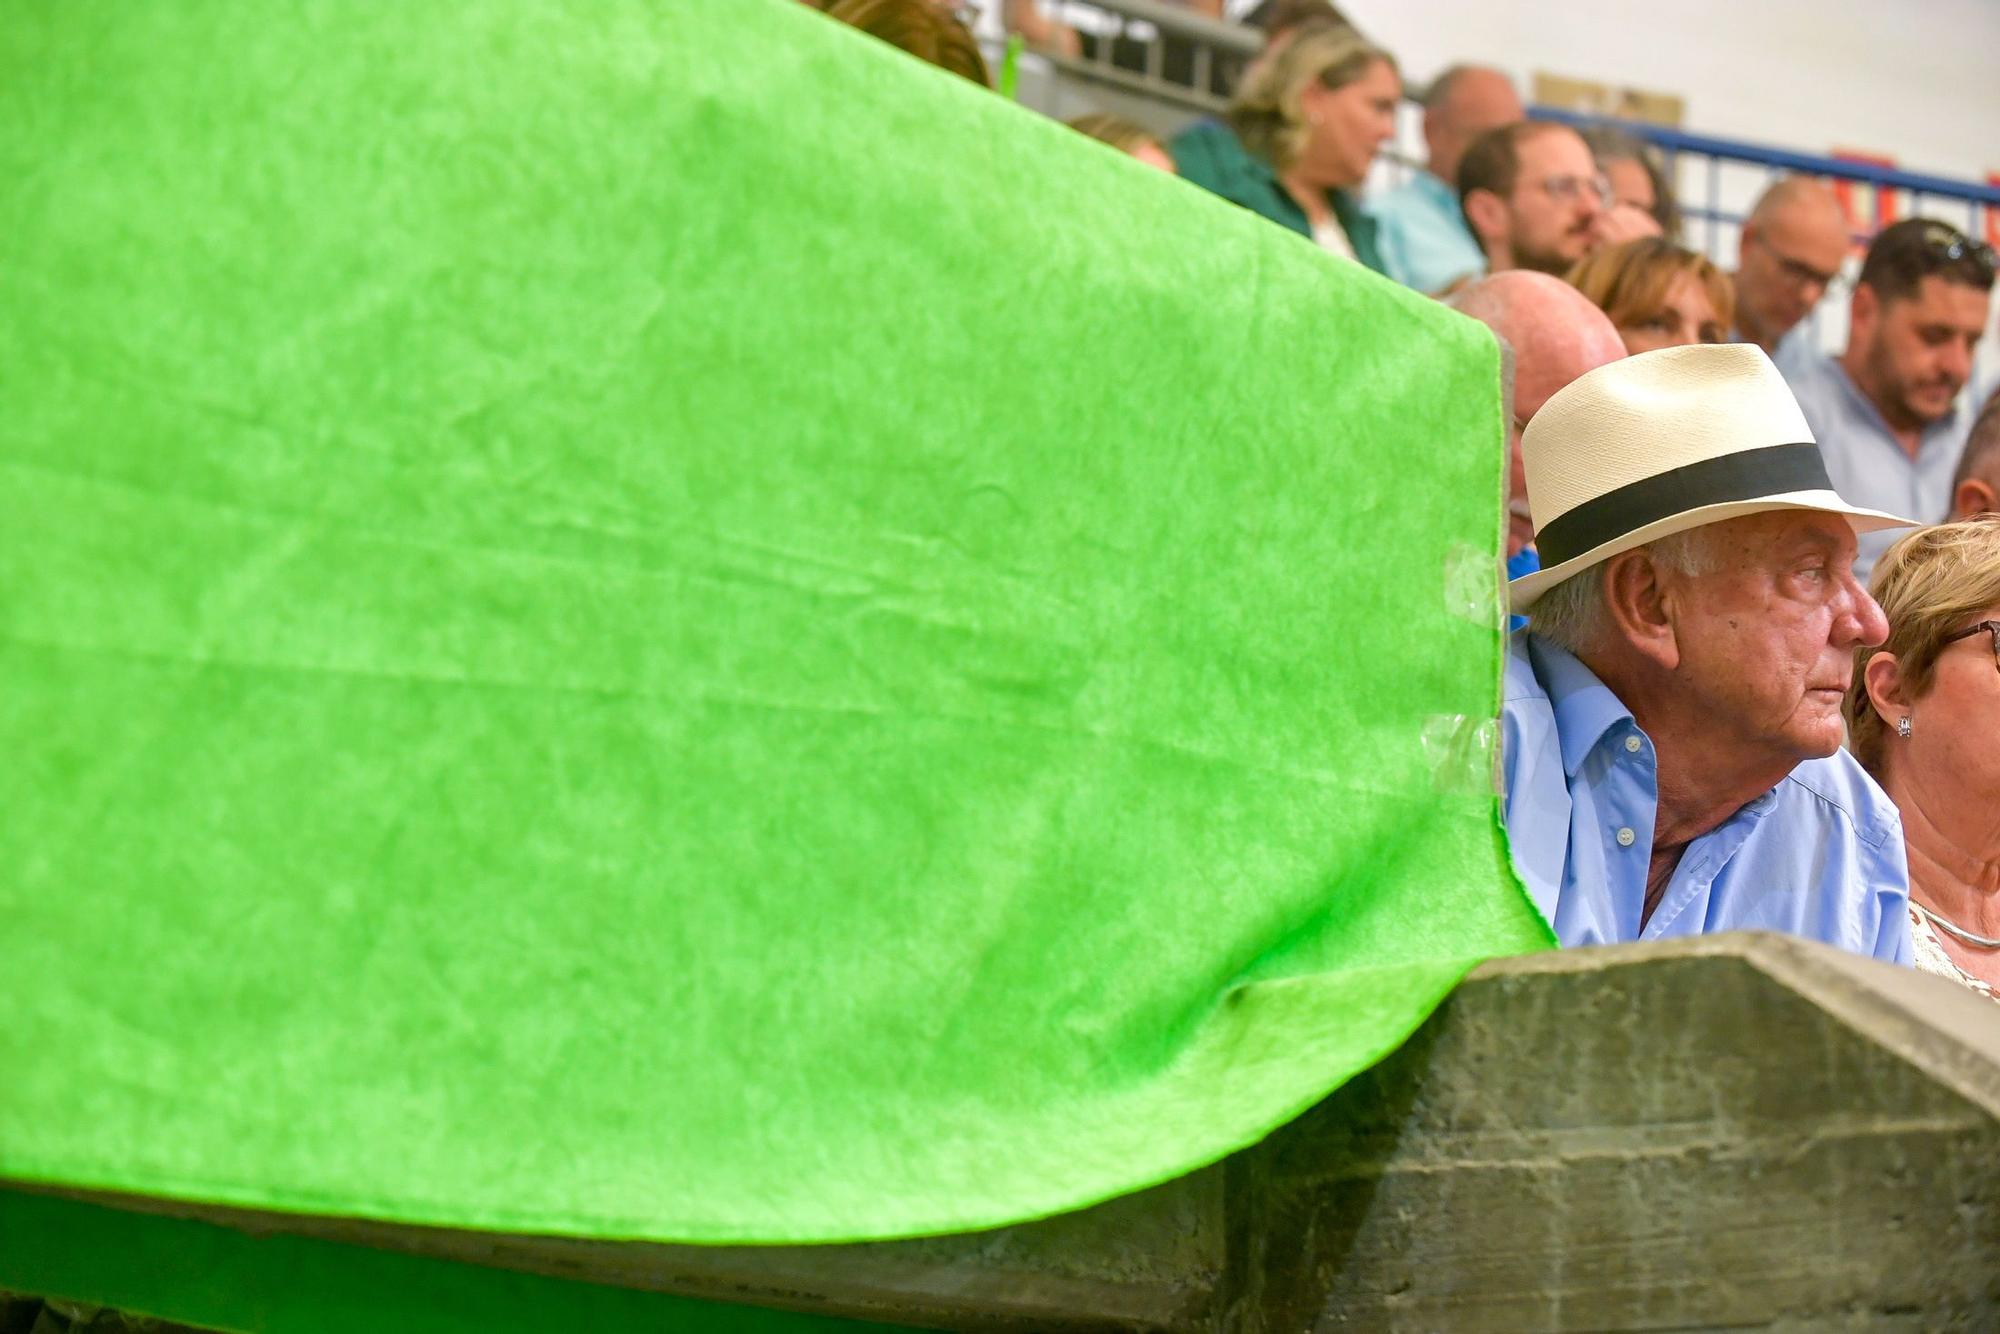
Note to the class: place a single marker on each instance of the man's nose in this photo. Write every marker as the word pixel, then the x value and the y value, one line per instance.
pixel 1863 623
pixel 1957 361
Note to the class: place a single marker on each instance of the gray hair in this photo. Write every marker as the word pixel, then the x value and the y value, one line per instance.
pixel 1571 614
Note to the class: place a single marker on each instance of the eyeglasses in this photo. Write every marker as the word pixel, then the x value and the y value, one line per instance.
pixel 1569 189
pixel 1797 272
pixel 1951 245
pixel 1991 627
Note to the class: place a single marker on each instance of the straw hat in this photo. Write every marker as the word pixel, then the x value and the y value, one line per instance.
pixel 1664 442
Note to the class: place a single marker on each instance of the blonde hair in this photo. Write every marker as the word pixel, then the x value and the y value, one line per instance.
pixel 1268 114
pixel 1629 281
pixel 1121 134
pixel 1929 584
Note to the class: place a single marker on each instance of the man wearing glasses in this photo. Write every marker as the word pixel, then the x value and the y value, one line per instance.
pixel 1792 247
pixel 1533 197
pixel 1888 413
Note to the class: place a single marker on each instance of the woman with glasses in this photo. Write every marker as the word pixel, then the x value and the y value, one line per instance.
pixel 1657 293
pixel 1923 717
pixel 1296 144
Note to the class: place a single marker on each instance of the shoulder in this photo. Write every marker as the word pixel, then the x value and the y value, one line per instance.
pixel 1808 374
pixel 1394 206
pixel 1838 791
pixel 1205 149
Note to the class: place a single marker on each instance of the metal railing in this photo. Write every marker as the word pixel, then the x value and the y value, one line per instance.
pixel 1162 52
pixel 1896 193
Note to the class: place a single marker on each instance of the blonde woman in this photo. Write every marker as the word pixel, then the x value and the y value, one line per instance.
pixel 1297 142
pixel 1923 717
pixel 1657 293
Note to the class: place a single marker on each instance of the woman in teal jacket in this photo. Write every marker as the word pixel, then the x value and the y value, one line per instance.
pixel 1297 142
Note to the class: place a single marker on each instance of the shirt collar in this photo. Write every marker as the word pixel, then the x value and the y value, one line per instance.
pixel 1584 706
pixel 1858 403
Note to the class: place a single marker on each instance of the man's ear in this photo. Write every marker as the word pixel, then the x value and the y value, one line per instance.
pixel 1883 679
pixel 1862 309
pixel 1639 604
pixel 1487 212
pixel 1973 498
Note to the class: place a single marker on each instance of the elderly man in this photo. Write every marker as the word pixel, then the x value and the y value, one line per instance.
pixel 1791 247
pixel 1887 413
pixel 1533 197
pixel 1672 716
pixel 1555 335
pixel 1420 228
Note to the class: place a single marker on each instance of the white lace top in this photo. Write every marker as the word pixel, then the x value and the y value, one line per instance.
pixel 1929 957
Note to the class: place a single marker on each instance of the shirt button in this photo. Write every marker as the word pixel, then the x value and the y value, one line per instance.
pixel 1632 744
pixel 1625 837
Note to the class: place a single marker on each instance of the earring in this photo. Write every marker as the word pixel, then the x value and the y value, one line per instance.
pixel 1903 726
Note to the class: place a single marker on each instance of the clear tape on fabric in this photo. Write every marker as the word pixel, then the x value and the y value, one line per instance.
pixel 1464 754
pixel 1473 586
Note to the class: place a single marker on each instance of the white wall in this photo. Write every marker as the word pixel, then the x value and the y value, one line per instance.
pixel 1918 79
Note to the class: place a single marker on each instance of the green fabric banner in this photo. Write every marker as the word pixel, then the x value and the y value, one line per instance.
pixel 652 620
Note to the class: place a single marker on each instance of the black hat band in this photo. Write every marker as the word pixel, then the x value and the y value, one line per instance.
pixel 1750 474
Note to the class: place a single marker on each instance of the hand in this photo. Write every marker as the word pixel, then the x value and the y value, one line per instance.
pixel 1624 222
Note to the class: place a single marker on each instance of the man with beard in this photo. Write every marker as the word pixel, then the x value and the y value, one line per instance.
pixel 1535 199
pixel 1886 413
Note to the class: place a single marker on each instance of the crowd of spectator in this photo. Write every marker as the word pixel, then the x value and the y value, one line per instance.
pixel 1711 720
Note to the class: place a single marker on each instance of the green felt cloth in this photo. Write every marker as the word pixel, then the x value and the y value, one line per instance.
pixel 652 620
pixel 220 1278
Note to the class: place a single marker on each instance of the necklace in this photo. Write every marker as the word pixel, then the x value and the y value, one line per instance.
pixel 1981 942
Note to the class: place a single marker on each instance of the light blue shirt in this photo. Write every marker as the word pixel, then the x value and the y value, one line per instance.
pixel 1422 235
pixel 1820 855
pixel 1868 465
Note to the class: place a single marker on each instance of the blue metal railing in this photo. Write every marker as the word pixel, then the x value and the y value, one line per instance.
pixel 1977 199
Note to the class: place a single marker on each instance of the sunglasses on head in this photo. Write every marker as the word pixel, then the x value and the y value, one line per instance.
pixel 1951 245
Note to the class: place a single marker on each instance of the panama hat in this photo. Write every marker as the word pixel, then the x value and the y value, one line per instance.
pixel 1664 442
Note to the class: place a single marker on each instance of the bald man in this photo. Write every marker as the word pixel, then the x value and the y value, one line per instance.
pixel 1556 335
pixel 1421 231
pixel 1792 246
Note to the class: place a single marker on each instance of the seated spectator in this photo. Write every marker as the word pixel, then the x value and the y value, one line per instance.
pixel 1792 245
pixel 1419 225
pixel 1642 197
pixel 1297 141
pixel 1672 716
pixel 1975 487
pixel 1922 717
pixel 1658 294
pixel 1533 196
pixel 1555 335
pixel 1887 414
pixel 1128 138
pixel 925 29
